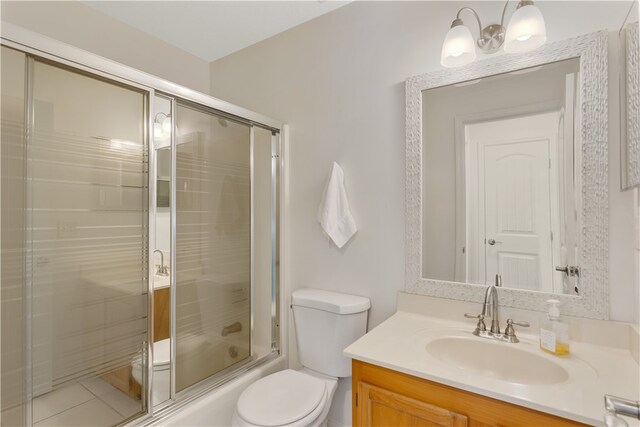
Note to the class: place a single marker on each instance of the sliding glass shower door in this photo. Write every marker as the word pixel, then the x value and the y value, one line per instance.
pixel 213 244
pixel 226 243
pixel 76 241
pixel 76 196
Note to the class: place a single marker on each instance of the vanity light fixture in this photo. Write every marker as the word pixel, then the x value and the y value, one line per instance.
pixel 162 125
pixel 526 31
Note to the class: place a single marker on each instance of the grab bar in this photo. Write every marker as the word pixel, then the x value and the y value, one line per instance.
pixel 234 327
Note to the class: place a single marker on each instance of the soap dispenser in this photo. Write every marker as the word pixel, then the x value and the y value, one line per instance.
pixel 554 333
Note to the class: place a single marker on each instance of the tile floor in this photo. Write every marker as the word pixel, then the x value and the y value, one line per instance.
pixel 91 402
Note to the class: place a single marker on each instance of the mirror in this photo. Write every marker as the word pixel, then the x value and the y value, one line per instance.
pixel 163 177
pixel 162 110
pixel 630 97
pixel 507 162
pixel 508 147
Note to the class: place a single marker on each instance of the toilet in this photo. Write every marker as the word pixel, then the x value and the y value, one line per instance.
pixel 326 323
pixel 161 372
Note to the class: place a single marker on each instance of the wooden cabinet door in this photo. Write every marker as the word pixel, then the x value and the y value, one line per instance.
pixel 380 407
pixel 383 397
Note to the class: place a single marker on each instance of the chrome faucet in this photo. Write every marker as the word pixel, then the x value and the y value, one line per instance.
pixel 490 308
pixel 162 269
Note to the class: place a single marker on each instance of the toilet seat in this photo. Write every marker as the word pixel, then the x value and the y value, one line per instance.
pixel 161 357
pixel 283 398
pixel 161 354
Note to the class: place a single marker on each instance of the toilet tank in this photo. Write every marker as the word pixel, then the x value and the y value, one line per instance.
pixel 326 323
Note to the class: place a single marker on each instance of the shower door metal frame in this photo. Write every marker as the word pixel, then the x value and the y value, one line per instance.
pixel 27 41
pixel 36 45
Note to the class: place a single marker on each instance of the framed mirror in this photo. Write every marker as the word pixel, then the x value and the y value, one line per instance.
pixel 507 175
pixel 630 97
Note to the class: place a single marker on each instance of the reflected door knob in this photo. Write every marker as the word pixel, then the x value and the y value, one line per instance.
pixel 569 270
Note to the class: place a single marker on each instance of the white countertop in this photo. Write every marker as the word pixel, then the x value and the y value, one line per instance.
pixel 399 344
pixel 160 282
pixel 125 287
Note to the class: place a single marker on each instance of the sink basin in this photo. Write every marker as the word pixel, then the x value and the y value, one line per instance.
pixel 497 360
pixel 160 281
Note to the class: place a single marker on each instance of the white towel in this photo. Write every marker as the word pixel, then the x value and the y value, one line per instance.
pixel 334 215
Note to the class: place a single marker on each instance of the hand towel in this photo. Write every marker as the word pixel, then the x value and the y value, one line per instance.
pixel 334 215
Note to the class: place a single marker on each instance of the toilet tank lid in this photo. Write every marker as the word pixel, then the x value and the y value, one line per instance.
pixel 333 302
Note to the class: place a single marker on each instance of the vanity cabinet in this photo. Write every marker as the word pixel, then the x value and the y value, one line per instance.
pixel 161 314
pixel 383 397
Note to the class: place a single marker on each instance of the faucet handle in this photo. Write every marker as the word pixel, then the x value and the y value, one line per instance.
pixel 519 323
pixel 480 327
pixel 510 332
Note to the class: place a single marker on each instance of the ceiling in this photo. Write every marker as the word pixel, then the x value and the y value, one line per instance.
pixel 213 29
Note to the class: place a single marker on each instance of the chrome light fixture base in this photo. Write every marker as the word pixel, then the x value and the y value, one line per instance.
pixel 491 38
pixel 526 31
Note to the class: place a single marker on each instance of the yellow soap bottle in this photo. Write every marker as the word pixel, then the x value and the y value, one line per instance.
pixel 554 333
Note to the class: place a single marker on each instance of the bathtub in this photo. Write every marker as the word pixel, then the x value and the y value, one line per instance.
pixel 216 407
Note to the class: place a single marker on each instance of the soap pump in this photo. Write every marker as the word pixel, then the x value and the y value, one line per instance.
pixel 554 333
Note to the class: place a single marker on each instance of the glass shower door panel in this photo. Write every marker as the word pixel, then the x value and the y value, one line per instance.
pixel 213 245
pixel 87 238
pixel 12 146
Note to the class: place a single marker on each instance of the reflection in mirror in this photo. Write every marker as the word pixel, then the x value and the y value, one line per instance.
pixel 162 251
pixel 509 147
pixel 630 98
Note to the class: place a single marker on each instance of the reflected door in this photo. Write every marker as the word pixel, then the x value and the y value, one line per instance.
pixel 514 218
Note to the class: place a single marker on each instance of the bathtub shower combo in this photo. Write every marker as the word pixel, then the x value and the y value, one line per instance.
pixel 140 250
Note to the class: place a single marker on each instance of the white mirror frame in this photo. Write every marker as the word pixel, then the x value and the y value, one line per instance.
pixel 629 96
pixel 593 302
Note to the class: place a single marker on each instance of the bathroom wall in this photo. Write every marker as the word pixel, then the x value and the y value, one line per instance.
pixel 338 81
pixel 79 25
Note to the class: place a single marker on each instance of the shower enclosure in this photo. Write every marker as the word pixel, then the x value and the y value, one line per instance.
pixel 137 218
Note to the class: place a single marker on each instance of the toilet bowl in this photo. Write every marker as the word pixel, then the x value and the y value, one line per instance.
pixel 161 372
pixel 325 324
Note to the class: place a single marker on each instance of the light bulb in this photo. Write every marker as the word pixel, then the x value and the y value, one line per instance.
pixel 166 125
pixel 526 30
pixel 157 131
pixel 458 48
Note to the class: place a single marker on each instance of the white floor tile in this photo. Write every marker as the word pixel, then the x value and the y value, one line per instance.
pixel 97 385
pixel 91 413
pixel 125 405
pixel 59 401
pixel 116 399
